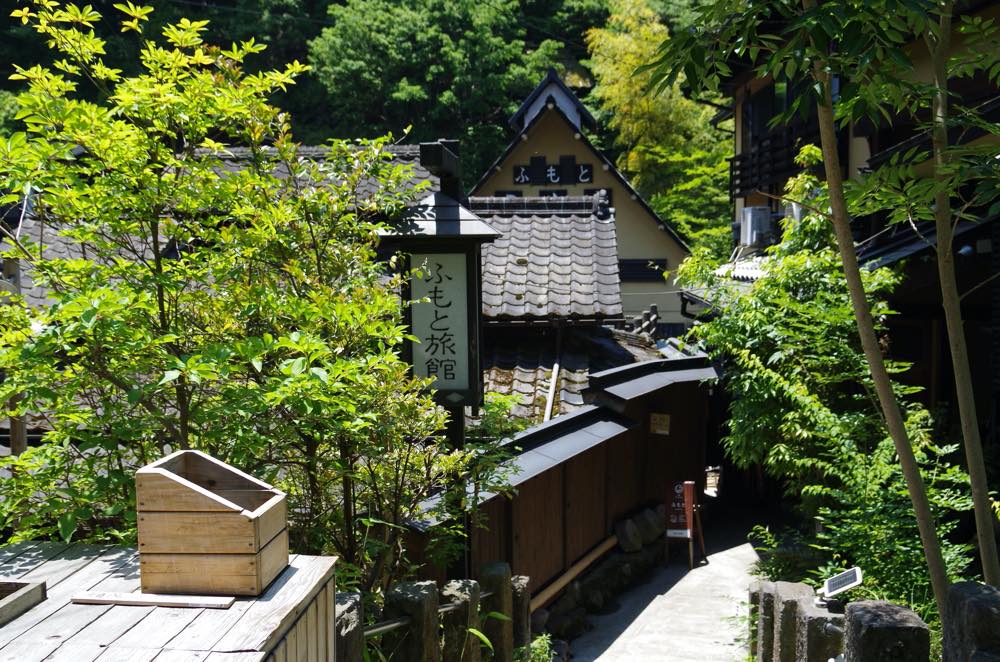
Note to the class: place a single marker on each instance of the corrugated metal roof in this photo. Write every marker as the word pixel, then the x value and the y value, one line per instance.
pixel 555 258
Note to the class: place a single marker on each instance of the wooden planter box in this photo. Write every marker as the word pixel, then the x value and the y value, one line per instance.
pixel 18 597
pixel 207 528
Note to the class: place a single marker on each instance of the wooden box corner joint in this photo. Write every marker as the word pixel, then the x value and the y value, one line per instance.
pixel 18 597
pixel 207 528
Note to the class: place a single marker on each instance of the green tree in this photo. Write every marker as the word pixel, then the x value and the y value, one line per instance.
pixel 456 69
pixel 961 184
pixel 667 145
pixel 223 300
pixel 799 380
pixel 794 41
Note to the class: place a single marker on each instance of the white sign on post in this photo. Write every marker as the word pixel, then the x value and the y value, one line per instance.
pixel 442 321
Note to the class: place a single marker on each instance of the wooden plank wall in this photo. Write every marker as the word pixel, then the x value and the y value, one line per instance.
pixel 556 517
pixel 311 638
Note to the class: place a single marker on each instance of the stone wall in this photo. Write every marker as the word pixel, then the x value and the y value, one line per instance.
pixel 421 622
pixel 787 625
pixel 640 549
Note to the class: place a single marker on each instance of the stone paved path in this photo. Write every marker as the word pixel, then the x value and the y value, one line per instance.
pixel 679 614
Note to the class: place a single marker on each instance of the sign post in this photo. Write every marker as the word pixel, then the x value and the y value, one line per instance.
pixel 684 519
pixel 441 242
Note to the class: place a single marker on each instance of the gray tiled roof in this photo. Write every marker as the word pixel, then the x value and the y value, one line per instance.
pixel 519 362
pixel 556 258
pixel 57 246
pixel 401 155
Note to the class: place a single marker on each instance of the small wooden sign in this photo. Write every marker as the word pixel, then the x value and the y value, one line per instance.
pixel 659 424
pixel 680 511
pixel 684 519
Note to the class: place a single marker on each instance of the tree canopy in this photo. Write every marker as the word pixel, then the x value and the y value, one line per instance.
pixel 219 290
pixel 447 68
pixel 666 142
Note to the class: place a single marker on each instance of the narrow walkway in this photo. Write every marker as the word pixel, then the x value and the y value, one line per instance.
pixel 678 614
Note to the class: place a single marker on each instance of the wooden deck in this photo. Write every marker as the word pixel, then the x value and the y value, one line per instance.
pixel 294 609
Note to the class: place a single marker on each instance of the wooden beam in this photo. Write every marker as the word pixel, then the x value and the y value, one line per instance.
pixel 154 600
pixel 553 589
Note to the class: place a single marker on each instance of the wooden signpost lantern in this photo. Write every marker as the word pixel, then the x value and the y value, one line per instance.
pixel 441 241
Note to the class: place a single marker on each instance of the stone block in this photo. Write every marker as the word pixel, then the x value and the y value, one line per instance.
pixel 458 643
pixel 569 625
pixel 349 625
pixel 877 630
pixel 495 579
pixel 765 622
pixel 417 642
pixel 753 595
pixel 521 605
pixel 651 527
pixel 539 619
pixel 971 623
pixel 629 538
pixel 819 635
pixel 786 596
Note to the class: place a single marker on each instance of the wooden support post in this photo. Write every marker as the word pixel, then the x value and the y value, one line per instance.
pixel 495 578
pixel 521 605
pixel 417 642
pixel 460 645
pixel 18 431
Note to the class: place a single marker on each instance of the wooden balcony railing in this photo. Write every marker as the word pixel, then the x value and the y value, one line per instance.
pixel 770 160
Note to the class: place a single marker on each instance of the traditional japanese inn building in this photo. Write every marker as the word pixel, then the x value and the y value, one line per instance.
pixel 552 157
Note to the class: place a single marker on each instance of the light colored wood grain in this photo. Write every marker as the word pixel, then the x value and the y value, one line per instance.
pixel 302 639
pixel 196 533
pixel 9 552
pixel 321 610
pixel 206 471
pixel 331 619
pixel 270 617
pixel 109 626
pixel 292 644
pixel 65 623
pixel 311 622
pixel 273 559
pixel 279 654
pixel 154 600
pixel 270 519
pixel 73 652
pixel 67 563
pixel 128 655
pixel 218 574
pixel 208 627
pixel 84 578
pixel 160 626
pixel 27 651
pixel 30 557
pixel 181 656
pixel 211 625
pixel 158 490
pixel 18 597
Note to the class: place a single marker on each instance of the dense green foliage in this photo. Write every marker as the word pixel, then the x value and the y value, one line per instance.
pixel 458 70
pixel 455 68
pixel 803 407
pixel 666 142
pixel 219 300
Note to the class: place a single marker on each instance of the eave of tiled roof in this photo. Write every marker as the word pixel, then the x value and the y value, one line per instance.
pixel 556 258
pixel 521 136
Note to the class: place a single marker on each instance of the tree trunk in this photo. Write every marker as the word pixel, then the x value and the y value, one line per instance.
pixel 869 340
pixel 951 302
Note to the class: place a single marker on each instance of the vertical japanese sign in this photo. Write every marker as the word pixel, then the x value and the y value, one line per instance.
pixel 442 321
pixel 680 510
